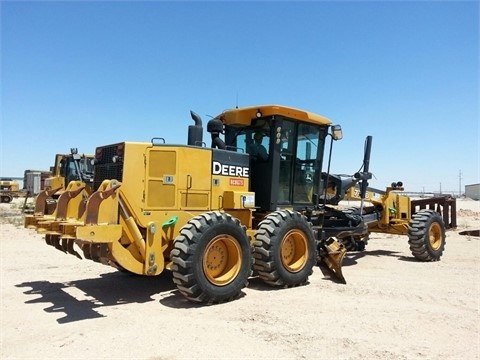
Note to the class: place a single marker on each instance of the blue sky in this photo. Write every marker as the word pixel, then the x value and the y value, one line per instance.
pixel 85 74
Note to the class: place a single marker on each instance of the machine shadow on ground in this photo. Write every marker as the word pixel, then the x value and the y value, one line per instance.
pixel 83 299
pixel 351 258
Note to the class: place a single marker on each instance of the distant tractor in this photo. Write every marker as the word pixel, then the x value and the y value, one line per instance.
pixel 9 188
pixel 70 171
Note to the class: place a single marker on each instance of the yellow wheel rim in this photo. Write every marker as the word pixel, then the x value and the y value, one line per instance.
pixel 294 251
pixel 435 236
pixel 222 260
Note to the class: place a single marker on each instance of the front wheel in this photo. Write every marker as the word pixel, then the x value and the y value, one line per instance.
pixel 6 199
pixel 284 249
pixel 426 235
pixel 211 258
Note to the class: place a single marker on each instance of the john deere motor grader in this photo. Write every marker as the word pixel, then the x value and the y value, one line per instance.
pixel 216 215
pixel 71 173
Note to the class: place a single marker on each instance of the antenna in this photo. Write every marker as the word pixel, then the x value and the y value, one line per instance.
pixel 236 101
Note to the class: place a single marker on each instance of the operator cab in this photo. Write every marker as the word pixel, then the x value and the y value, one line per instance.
pixel 76 167
pixel 288 172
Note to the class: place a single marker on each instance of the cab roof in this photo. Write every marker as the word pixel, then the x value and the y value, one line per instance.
pixel 245 115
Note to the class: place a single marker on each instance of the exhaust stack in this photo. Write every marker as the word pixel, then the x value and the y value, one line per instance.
pixel 195 132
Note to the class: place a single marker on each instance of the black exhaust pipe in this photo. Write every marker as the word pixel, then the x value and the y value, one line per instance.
pixel 195 132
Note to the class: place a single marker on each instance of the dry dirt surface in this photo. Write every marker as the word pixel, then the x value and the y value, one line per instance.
pixel 56 306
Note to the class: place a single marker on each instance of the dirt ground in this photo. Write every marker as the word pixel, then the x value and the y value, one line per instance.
pixel 56 306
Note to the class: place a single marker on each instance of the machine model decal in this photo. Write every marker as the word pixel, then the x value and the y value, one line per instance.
pixel 236 182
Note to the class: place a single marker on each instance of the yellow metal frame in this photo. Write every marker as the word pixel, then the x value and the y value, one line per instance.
pixel 397 209
pixel 244 116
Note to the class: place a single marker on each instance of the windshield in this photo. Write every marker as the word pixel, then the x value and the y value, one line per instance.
pixel 86 165
pixel 286 158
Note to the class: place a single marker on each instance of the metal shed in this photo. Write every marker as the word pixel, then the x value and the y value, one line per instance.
pixel 472 191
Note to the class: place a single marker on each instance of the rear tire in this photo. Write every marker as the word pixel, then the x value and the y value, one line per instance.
pixel 426 235
pixel 284 249
pixel 211 258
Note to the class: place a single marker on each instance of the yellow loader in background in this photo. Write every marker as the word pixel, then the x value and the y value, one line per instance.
pixel 71 173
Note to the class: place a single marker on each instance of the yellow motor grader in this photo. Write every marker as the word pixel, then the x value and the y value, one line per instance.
pixel 215 215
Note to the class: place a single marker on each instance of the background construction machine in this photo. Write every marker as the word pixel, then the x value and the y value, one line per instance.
pixel 70 167
pixel 9 189
pixel 70 171
pixel 216 215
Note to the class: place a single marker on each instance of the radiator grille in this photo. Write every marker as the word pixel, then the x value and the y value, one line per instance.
pixel 105 168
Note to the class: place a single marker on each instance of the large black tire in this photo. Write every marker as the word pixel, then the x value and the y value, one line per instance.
pixel 212 258
pixel 284 249
pixel 6 199
pixel 426 235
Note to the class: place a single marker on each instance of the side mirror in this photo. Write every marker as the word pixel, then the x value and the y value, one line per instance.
pixel 336 132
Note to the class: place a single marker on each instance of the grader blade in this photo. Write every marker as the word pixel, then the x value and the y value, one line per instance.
pixel 335 252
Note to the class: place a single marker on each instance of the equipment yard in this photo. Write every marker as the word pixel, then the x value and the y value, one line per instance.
pixel 392 307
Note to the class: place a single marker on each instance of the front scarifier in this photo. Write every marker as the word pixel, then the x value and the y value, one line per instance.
pixel 211 259
pixel 284 249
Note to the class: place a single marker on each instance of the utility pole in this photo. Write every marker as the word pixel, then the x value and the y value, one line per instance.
pixel 459 183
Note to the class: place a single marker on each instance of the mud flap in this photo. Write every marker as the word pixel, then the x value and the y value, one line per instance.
pixel 333 257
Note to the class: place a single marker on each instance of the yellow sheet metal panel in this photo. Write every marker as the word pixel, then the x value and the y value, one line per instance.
pixel 160 195
pixel 194 200
pixel 238 200
pixel 173 181
pixel 194 163
pixel 99 233
pixel 134 181
pixel 161 161
pixel 403 208
pixel 161 165
pixel 245 115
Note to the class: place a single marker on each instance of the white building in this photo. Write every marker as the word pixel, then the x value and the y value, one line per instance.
pixel 472 191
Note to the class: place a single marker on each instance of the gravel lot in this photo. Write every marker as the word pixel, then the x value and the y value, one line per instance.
pixel 56 306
